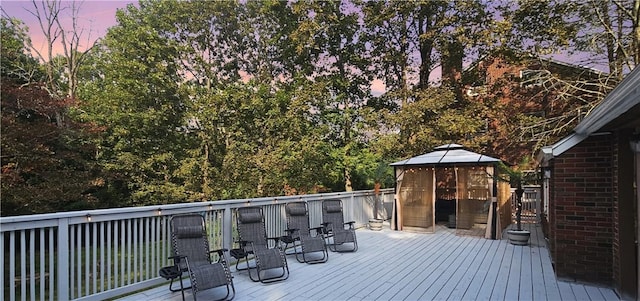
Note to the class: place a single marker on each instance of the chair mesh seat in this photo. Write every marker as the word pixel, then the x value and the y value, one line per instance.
pixel 313 245
pixel 209 276
pixel 253 241
pixel 269 258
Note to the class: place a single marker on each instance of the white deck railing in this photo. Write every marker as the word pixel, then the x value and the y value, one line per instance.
pixel 100 254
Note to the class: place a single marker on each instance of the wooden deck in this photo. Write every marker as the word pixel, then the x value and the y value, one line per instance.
pixel 392 265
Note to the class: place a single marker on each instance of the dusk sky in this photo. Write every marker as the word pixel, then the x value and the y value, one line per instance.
pixel 95 17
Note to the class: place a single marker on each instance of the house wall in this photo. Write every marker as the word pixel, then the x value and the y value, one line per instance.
pixel 625 218
pixel 581 208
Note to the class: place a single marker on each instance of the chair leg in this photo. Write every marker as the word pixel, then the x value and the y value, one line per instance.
pixel 182 290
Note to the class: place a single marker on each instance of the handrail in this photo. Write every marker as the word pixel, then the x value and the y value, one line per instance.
pixel 100 254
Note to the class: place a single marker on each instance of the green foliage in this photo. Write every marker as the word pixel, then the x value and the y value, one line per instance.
pixel 15 62
pixel 137 100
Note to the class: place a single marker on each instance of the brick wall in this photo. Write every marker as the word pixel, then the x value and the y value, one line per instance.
pixel 581 211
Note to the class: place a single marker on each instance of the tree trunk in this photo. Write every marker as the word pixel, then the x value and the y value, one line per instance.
pixel 347 181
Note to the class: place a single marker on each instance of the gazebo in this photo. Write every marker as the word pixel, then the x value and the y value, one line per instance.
pixel 451 186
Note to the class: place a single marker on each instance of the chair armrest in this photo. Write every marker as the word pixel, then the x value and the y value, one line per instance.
pixel 325 227
pixel 177 258
pixel 170 272
pixel 291 231
pixel 317 229
pixel 277 239
pixel 219 251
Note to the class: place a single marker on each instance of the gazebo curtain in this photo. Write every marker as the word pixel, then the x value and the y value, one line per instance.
pixel 415 198
pixel 474 192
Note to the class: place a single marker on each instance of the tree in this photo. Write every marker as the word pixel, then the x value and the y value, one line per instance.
pixel 45 168
pixel 331 30
pixel 61 70
pixel 136 98
pixel 602 33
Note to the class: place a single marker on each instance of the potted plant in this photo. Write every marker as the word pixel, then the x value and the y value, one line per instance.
pixel 517 178
pixel 375 223
pixel 380 174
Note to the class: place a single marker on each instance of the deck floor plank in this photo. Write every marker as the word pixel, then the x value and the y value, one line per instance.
pixel 472 280
pixel 566 293
pixel 392 265
pixel 526 280
pixel 538 282
pixel 462 276
pixel 500 286
pixel 579 291
pixel 439 277
pixel 486 285
pixel 513 282
pixel 375 289
pixel 594 293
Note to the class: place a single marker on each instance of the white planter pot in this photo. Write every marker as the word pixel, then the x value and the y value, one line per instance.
pixel 375 224
pixel 519 238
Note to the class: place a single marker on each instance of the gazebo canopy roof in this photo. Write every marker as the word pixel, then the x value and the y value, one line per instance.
pixel 447 154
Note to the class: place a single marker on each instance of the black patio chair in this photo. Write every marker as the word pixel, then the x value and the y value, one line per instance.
pixel 191 254
pixel 270 263
pixel 336 229
pixel 308 243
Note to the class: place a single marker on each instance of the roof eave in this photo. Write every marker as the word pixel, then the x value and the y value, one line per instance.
pixel 549 152
pixel 617 102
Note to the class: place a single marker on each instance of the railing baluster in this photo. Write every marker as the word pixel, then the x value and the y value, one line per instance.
pixel 23 267
pixel 123 248
pixel 102 250
pixel 52 266
pixel 78 247
pixel 2 280
pixel 12 266
pixel 87 259
pixel 109 254
pixel 94 259
pixel 32 264
pixel 135 249
pixel 147 248
pixel 116 243
pixel 166 240
pixel 227 220
pixel 72 260
pixel 128 256
pixel 42 263
pixel 154 247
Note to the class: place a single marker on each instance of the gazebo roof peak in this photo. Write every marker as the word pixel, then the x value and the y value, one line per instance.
pixel 449 146
pixel 448 154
